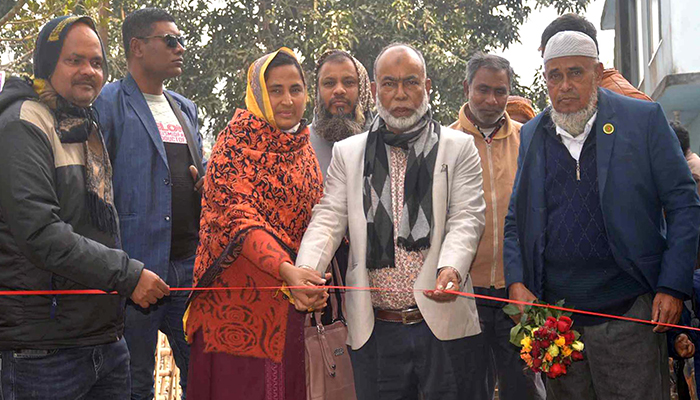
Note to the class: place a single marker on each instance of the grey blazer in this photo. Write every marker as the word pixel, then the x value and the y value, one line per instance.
pixel 458 221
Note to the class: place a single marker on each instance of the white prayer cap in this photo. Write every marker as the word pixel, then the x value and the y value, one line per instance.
pixel 570 43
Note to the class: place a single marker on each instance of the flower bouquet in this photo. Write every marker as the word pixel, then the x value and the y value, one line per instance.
pixel 547 342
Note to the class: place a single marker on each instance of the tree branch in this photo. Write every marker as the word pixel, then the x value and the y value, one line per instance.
pixel 18 40
pixel 18 61
pixel 12 12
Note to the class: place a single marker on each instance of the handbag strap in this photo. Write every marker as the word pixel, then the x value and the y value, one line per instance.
pixel 191 144
pixel 315 317
pixel 336 295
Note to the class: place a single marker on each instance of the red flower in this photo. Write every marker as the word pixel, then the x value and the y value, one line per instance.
pixel 569 337
pixel 564 324
pixel 535 353
pixel 556 370
pixel 551 322
pixel 537 362
pixel 545 344
pixel 577 356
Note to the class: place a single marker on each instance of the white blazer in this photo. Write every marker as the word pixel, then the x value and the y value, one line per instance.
pixel 458 221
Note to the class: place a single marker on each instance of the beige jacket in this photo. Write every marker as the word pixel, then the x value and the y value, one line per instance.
pixel 499 162
pixel 458 221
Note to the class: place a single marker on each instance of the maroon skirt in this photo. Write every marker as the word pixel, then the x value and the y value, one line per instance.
pixel 219 376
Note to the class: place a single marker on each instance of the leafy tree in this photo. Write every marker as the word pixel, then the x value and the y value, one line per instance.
pixel 537 91
pixel 225 36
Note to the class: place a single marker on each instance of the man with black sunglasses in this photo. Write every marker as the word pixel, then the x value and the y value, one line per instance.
pixel 153 140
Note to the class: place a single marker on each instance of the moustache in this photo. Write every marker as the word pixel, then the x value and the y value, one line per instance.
pixel 90 82
pixel 561 98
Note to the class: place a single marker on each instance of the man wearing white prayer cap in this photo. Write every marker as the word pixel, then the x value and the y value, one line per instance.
pixel 604 214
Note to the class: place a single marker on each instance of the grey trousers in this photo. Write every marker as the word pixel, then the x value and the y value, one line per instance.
pixel 623 360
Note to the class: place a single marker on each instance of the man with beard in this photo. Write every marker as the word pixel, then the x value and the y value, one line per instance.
pixel 612 79
pixel 604 214
pixel 409 192
pixel 343 102
pixel 58 229
pixel 484 117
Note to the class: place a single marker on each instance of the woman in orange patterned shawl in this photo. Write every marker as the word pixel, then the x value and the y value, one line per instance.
pixel 261 184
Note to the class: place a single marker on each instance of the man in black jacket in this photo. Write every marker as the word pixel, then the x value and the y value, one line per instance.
pixel 59 229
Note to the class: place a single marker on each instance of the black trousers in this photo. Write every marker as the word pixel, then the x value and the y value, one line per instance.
pixel 406 362
pixel 515 381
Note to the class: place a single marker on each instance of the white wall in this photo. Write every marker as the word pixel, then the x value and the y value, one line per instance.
pixel 679 51
pixel 685 31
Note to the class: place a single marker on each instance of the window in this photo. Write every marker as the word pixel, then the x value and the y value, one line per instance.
pixel 641 60
pixel 654 13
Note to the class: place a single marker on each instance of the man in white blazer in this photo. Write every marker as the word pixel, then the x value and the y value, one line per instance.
pixel 409 193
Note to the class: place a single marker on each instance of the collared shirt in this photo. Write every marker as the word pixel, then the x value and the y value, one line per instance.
pixel 575 143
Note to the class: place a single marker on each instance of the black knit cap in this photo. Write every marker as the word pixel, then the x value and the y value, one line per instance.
pixel 50 42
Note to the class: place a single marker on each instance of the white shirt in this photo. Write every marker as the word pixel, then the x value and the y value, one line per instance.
pixel 575 144
pixel 168 126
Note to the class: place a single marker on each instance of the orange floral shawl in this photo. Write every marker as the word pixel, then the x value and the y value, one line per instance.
pixel 260 187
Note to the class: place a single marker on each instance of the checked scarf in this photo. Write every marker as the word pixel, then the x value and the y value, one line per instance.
pixel 417 211
pixel 79 125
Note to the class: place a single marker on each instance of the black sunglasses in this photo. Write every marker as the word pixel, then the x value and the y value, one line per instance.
pixel 170 40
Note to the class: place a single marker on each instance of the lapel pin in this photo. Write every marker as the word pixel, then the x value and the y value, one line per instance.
pixel 608 129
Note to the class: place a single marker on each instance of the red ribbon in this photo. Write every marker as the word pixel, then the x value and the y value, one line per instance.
pixel 371 289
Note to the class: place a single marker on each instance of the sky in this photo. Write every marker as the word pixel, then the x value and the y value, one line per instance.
pixel 524 56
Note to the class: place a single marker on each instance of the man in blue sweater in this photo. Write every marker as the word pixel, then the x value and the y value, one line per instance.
pixel 604 214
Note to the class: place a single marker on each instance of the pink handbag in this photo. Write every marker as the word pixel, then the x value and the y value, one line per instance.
pixel 328 368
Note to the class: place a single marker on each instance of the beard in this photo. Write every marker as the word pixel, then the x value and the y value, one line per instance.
pixel 336 127
pixel 403 123
pixel 574 123
pixel 483 117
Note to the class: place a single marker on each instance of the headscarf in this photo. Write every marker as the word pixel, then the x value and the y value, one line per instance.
pixel 257 101
pixel 50 42
pixel 365 102
pixel 520 106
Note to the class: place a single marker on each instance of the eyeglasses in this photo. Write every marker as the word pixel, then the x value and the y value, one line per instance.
pixel 170 40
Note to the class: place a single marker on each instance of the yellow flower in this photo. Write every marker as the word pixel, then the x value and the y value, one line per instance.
pixel 566 351
pixel 577 345
pixel 553 350
pixel 526 341
pixel 560 341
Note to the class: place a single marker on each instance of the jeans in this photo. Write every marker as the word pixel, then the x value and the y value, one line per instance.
pixel 503 358
pixel 141 332
pixel 407 362
pixel 80 373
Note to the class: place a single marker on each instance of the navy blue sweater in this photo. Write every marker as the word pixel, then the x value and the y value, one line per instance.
pixel 579 265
